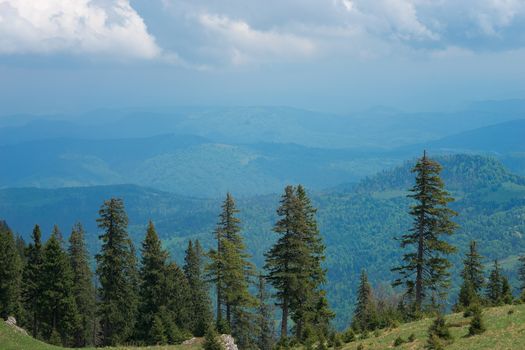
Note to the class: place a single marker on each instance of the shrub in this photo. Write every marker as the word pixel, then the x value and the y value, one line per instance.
pixel 399 341
pixel 476 324
pixel 411 338
pixel 349 336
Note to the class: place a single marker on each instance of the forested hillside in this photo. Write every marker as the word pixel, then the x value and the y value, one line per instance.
pixel 358 224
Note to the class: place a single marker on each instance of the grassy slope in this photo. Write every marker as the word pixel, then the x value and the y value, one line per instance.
pixel 504 331
pixel 12 340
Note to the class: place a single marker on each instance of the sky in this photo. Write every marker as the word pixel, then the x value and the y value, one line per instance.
pixel 330 55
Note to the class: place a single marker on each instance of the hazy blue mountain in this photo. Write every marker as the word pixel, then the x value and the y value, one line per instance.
pixel 358 222
pixel 375 128
pixel 184 164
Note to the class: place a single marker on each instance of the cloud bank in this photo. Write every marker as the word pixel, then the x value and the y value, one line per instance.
pixel 104 28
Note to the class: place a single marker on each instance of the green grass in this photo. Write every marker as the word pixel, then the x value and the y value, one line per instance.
pixel 12 340
pixel 504 332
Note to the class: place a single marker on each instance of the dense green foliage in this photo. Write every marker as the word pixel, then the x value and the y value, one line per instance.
pixel 489 200
pixel 10 273
pixel 116 270
pixel 294 268
pixel 200 305
pixel 83 288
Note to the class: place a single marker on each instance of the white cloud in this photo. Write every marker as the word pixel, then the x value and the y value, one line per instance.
pixel 94 27
pixel 247 44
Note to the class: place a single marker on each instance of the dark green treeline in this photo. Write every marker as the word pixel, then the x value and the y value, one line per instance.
pixel 141 297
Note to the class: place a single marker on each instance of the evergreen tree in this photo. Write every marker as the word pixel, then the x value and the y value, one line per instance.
pixel 494 286
pixel 200 301
pixel 83 288
pixel 425 268
pixel 32 288
pixel 179 317
pixel 284 259
pixel 309 303
pixel 364 312
pixel 438 334
pixel 10 274
pixel 473 279
pixel 59 309
pixel 21 249
pixel 521 276
pixel 476 324
pixel 157 332
pixel 117 274
pixel 152 293
pixel 266 331
pixel 506 291
pixel 473 268
pixel 231 271
pixel 294 265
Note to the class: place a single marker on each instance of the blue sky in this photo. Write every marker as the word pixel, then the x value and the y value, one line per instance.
pixel 332 55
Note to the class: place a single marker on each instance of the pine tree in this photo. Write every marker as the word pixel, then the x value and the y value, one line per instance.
pixel 231 271
pixel 506 291
pixel 425 269
pixel 177 315
pixel 309 303
pixel 521 276
pixel 157 332
pixel 364 312
pixel 83 288
pixel 473 268
pixel 32 288
pixel 117 274
pixel 266 331
pixel 294 265
pixel 473 279
pixel 152 292
pixel 476 324
pixel 10 274
pixel 59 309
pixel 438 334
pixel 284 259
pixel 200 301
pixel 494 285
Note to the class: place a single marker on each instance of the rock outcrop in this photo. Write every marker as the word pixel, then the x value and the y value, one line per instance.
pixel 228 342
pixel 11 322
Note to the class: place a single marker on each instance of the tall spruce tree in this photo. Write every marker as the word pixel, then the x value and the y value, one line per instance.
pixel 200 301
pixel 117 274
pixel 494 291
pixel 294 265
pixel 425 266
pixel 10 274
pixel 152 294
pixel 83 288
pixel 364 312
pixel 266 330
pixel 309 302
pixel 473 279
pixel 32 287
pixel 231 271
pixel 284 259
pixel 473 268
pixel 59 310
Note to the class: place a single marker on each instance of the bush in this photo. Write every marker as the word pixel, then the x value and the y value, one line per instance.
pixel 438 334
pixel 349 336
pixel 476 324
pixel 399 341
pixel 211 340
pixel 411 338
pixel 510 312
pixel 360 347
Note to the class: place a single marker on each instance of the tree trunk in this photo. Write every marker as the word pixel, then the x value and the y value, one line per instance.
pixel 284 321
pixel 228 315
